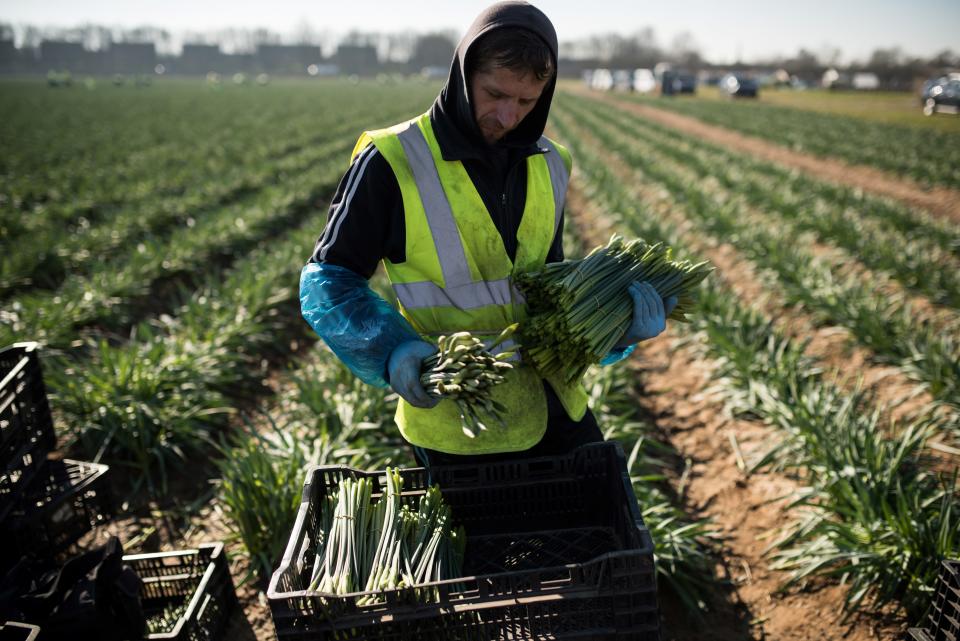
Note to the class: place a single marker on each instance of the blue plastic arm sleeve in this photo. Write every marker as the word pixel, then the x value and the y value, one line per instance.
pixel 359 326
pixel 616 355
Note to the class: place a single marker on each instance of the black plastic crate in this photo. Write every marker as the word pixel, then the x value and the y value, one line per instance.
pixel 63 501
pixel 13 631
pixel 944 615
pixel 26 429
pixel 45 505
pixel 587 572
pixel 195 584
pixel 918 634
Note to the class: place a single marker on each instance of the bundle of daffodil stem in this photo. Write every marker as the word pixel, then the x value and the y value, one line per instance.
pixel 579 309
pixel 465 370
pixel 367 546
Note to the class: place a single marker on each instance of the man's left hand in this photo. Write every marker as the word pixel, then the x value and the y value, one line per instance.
pixel 650 313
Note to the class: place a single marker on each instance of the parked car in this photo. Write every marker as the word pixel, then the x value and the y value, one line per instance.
pixel 676 82
pixel 739 86
pixel 941 95
pixel 644 81
pixel 601 80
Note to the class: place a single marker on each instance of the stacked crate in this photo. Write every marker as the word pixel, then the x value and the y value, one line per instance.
pixel 45 504
pixel 190 591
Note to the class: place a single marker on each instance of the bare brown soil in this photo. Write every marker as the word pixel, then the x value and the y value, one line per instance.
pixel 747 509
pixel 941 201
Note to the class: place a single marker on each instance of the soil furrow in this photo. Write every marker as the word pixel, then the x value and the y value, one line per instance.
pixel 675 383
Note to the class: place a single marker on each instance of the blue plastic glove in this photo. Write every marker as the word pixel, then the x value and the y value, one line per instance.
pixel 403 368
pixel 649 314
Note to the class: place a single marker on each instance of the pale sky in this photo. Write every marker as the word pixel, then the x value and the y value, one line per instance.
pixel 723 30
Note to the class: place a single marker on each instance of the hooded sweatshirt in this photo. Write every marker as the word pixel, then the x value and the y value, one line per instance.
pixel 366 224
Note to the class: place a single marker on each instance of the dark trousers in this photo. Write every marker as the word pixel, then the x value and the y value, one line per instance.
pixel 563 435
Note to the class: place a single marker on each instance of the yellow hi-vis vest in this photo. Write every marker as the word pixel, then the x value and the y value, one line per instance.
pixel 457 276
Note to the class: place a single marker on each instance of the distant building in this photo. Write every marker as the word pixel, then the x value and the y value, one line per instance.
pixel 64 56
pixel 287 59
pixel 357 59
pixel 198 59
pixel 132 57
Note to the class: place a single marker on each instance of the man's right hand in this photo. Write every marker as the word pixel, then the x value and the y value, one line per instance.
pixel 650 314
pixel 403 368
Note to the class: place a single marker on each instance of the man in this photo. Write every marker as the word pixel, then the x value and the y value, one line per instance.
pixel 455 202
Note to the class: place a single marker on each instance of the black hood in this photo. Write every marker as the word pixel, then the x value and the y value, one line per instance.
pixel 452 113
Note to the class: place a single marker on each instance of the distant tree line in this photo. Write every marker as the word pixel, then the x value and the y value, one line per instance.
pixel 92 48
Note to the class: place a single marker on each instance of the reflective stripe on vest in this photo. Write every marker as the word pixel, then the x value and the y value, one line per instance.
pixel 469 296
pixel 460 290
pixel 446 238
pixel 559 179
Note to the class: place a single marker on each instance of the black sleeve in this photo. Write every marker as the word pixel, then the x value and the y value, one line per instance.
pixel 365 223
